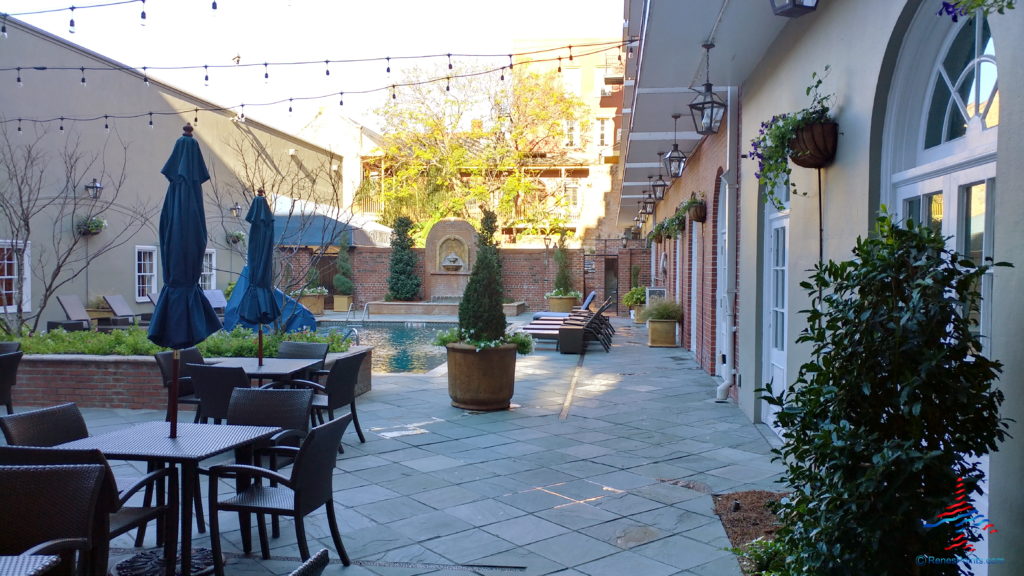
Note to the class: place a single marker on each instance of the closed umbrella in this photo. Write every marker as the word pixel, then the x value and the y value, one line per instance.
pixel 259 305
pixel 183 316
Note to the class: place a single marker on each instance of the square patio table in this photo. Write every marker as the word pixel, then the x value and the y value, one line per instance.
pixel 28 565
pixel 272 369
pixel 149 442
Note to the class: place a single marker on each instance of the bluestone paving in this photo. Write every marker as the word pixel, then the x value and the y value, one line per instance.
pixel 616 481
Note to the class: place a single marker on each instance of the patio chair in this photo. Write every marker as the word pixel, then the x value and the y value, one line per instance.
pixel 309 487
pixel 121 309
pixel 77 317
pixel 213 386
pixel 8 347
pixel 317 350
pixel 314 566
pixel 44 427
pixel 50 510
pixel 8 377
pixel 113 516
pixel 165 361
pixel 285 409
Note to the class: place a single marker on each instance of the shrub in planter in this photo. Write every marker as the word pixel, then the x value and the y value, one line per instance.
pixel 894 408
pixel 342 281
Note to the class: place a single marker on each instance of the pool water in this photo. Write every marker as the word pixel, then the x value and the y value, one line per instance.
pixel 398 346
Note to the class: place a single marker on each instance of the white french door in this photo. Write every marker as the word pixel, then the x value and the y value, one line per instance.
pixel 776 304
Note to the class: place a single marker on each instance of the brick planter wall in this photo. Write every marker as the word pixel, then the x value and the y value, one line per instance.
pixel 132 382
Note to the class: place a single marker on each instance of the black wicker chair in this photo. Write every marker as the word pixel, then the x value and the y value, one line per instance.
pixel 8 377
pixel 113 516
pixel 45 427
pixel 340 390
pixel 213 386
pixel 310 350
pixel 314 566
pixel 165 361
pixel 309 487
pixel 8 347
pixel 51 510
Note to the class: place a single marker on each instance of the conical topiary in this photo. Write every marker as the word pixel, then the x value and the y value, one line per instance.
pixel 343 279
pixel 403 283
pixel 481 317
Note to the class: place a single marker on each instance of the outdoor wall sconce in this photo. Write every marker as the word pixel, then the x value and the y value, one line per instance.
pixel 625 240
pixel 659 187
pixel 675 160
pixel 547 242
pixel 793 8
pixel 94 189
pixel 707 108
pixel 236 210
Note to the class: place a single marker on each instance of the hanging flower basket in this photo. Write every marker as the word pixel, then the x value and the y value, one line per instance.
pixel 235 237
pixel 814 145
pixel 90 226
pixel 699 212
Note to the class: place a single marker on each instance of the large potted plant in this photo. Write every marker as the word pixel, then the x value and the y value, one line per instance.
pixel 662 316
pixel 342 281
pixel 481 354
pixel 563 297
pixel 808 137
pixel 635 299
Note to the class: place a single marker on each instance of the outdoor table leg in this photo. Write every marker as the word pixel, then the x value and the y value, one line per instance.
pixel 189 470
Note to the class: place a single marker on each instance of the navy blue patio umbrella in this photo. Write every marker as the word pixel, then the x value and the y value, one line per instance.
pixel 259 304
pixel 183 317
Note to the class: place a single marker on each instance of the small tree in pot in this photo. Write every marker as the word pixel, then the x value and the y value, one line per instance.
pixel 343 285
pixel 563 297
pixel 481 355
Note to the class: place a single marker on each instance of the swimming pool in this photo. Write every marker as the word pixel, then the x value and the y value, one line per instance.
pixel 398 346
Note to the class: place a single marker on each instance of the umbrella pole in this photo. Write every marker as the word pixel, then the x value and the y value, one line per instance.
pixel 172 394
pixel 259 347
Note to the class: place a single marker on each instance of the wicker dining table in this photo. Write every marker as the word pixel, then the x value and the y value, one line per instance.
pixel 271 369
pixel 150 442
pixel 28 565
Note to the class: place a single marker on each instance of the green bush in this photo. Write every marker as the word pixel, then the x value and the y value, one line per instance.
pixel 637 296
pixel 403 283
pixel 135 342
pixel 662 309
pixel 343 278
pixel 563 273
pixel 481 315
pixel 895 406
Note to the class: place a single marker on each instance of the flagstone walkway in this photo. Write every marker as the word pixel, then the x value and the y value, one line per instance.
pixel 605 466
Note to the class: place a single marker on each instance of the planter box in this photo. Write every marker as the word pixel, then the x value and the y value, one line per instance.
pixel 661 333
pixel 561 303
pixel 342 302
pixel 315 303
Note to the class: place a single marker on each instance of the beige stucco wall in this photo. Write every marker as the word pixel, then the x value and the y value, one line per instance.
pixel 853 37
pixel 51 94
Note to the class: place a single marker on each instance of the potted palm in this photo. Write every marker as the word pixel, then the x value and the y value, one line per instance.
pixel 662 316
pixel 343 285
pixel 807 137
pixel 563 297
pixel 481 354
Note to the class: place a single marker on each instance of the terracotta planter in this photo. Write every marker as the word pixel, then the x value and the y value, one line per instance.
pixel 814 145
pixel 342 302
pixel 561 303
pixel 661 333
pixel 482 381
pixel 314 302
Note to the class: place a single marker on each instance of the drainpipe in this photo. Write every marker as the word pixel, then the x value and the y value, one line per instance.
pixel 731 198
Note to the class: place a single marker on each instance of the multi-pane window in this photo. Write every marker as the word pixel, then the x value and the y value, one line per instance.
pixel 925 209
pixel 10 274
pixel 966 85
pixel 145 272
pixel 602 132
pixel 778 289
pixel 208 278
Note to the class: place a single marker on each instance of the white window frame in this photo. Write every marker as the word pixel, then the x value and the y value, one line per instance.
pixel 137 275
pixel 26 274
pixel 208 278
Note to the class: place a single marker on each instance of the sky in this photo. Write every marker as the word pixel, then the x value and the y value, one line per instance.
pixel 190 33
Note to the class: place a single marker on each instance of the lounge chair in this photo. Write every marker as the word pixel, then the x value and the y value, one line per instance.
pixel 78 318
pixel 119 306
pixel 572 334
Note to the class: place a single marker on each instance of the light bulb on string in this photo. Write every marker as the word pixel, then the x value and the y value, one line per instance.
pixel 71 23
pixel 206 75
pixel 559 63
pixel 393 96
pixel 449 61
pixel 570 52
pixel 106 124
pixel 327 67
pixel 195 117
pixel 214 5
pixel 142 16
pixel 509 61
pixel 145 75
pixel 150 120
pixel 83 76
pixel 19 77
pixel 61 123
pixel 341 98
pixel 289 105
pixel 388 58
pixel 448 84
pixel 19 125
pixel 241 113
pixel 502 73
pixel 266 73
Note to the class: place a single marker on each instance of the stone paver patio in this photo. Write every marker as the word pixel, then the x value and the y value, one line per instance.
pixel 605 466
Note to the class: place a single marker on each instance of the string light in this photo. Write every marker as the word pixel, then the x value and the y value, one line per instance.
pixel 449 61
pixel 327 67
pixel 83 76
pixel 106 124
pixel 195 117
pixel 448 85
pixel 266 73
pixel 388 58
pixel 502 73
pixel 289 105
pixel 71 24
pixel 61 123
pixel 559 63
pixel 145 76
pixel 214 5
pixel 509 61
pixel 150 120
pixel 341 99
pixel 142 16
pixel 393 96
pixel 19 77
pixel 570 52
pixel 206 75
pixel 19 125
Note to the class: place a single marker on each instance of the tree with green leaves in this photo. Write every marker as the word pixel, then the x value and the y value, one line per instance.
pixel 343 277
pixel 480 143
pixel 481 316
pixel 403 283
pixel 892 412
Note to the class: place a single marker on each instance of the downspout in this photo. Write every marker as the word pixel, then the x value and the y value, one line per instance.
pixel 731 199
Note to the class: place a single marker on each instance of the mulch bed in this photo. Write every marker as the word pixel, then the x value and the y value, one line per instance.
pixel 747 516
